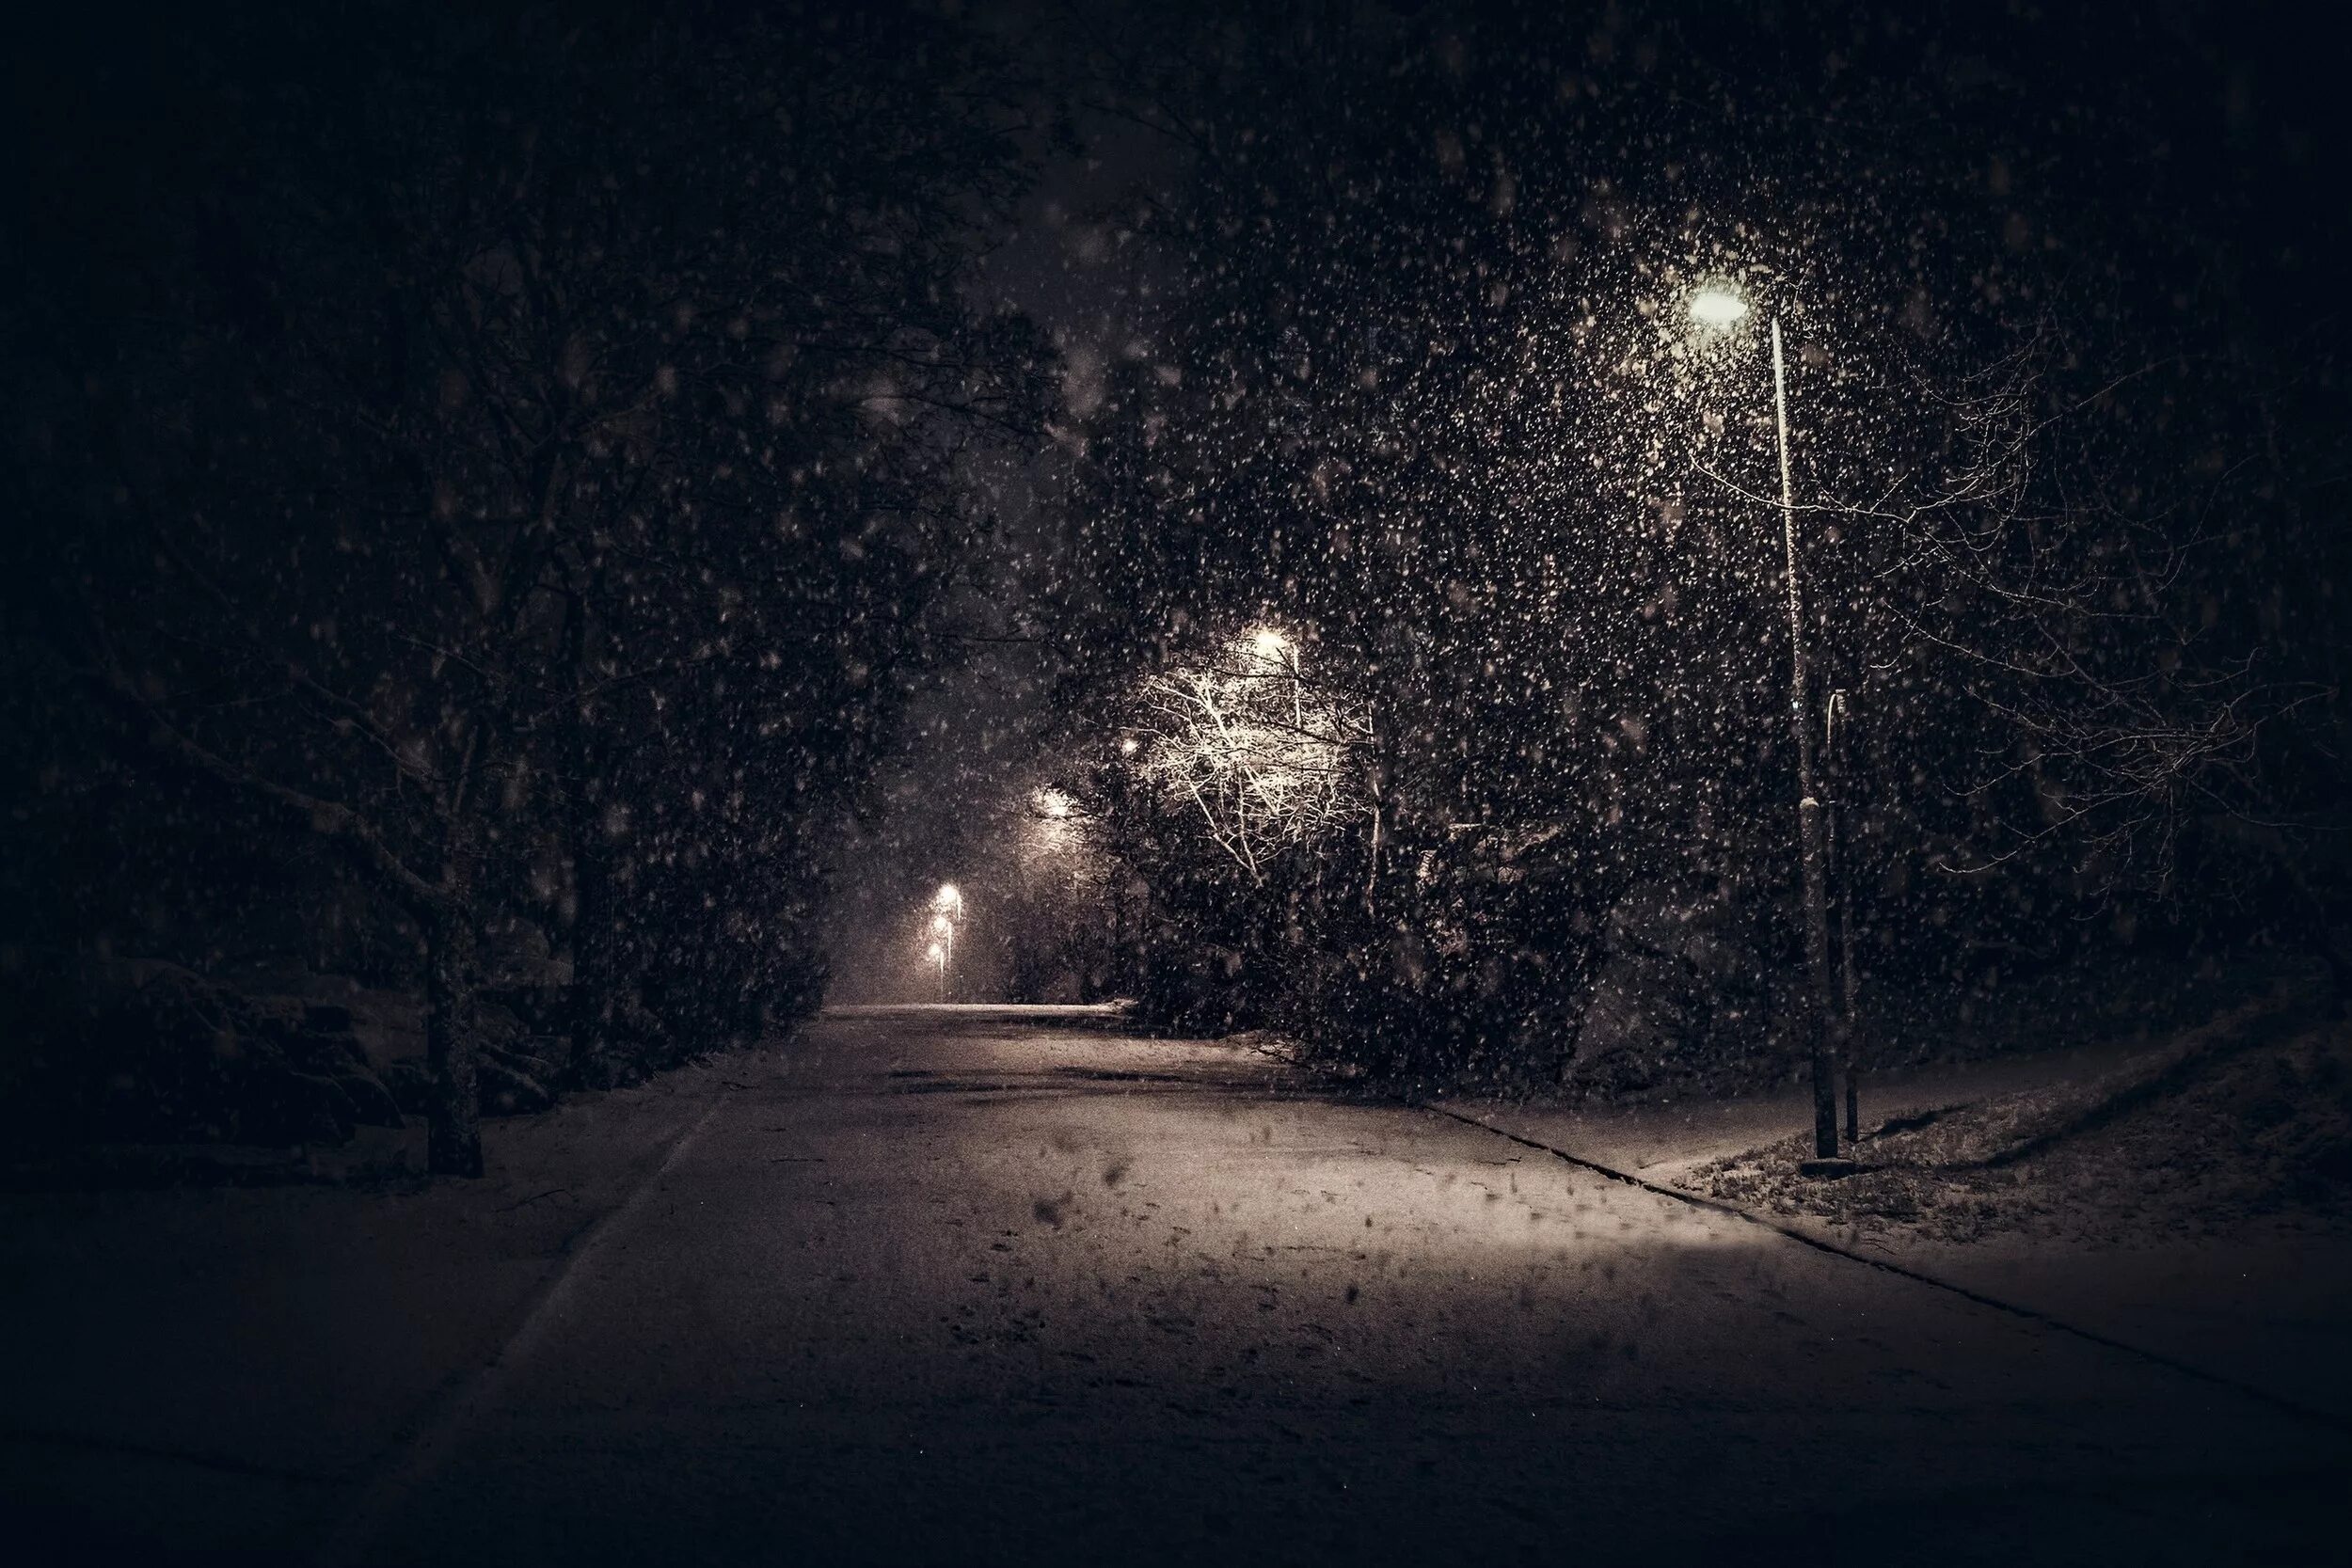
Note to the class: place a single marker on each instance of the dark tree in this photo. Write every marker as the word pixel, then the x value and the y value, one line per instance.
pixel 521 450
pixel 1422 391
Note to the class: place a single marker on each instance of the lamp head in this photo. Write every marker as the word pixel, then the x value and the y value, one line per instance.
pixel 1716 306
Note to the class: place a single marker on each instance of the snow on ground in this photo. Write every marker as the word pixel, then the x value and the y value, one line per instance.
pixel 2190 1196
pixel 1001 1009
pixel 2244 1123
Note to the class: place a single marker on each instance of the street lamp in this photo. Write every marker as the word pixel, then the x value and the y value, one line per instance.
pixel 944 939
pixel 1274 649
pixel 1718 307
pixel 946 908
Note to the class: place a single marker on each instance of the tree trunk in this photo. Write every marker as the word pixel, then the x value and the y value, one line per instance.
pixel 2316 921
pixel 592 1001
pixel 454 1135
pixel 2320 932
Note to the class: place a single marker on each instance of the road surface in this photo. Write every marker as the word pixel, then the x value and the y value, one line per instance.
pixel 994 1287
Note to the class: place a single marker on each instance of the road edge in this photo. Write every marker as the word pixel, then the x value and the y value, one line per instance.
pixel 471 1393
pixel 2328 1419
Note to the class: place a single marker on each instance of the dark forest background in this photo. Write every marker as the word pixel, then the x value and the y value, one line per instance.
pixel 486 474
pixel 1414 387
pixel 486 484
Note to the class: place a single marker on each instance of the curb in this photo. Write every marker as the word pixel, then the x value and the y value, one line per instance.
pixel 413 1462
pixel 2328 1420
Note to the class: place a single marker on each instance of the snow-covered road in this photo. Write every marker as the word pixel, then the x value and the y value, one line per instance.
pixel 941 1285
pixel 981 1286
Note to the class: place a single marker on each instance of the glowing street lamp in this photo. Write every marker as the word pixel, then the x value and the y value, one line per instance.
pixel 946 909
pixel 944 939
pixel 1276 649
pixel 1717 308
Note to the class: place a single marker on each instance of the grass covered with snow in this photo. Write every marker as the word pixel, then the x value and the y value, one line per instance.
pixel 2245 1121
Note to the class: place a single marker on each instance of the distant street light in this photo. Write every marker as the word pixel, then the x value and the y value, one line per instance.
pixel 1718 307
pixel 1278 650
pixel 946 909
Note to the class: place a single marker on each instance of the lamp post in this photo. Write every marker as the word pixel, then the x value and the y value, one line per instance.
pixel 944 944
pixel 1718 307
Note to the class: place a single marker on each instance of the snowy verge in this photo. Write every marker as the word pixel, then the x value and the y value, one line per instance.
pixel 2193 1201
pixel 2245 1122
pixel 262 1349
